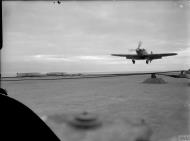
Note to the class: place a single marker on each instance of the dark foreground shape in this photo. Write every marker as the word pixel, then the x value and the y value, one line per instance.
pixel 20 123
pixel 3 91
pixel 154 80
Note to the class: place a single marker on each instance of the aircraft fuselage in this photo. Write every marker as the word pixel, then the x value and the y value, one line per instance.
pixel 141 52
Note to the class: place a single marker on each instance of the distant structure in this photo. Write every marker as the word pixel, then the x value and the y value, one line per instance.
pixel 56 74
pixel 188 71
pixel 32 74
pixel 62 74
pixel 36 74
pixel 76 74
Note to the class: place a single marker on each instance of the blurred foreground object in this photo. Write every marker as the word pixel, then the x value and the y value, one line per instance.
pixel 84 121
pixel 93 127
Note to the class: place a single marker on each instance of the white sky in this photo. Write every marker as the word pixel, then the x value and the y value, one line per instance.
pixel 80 36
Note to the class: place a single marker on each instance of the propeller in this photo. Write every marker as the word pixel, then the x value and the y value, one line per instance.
pixel 139 45
pixel 132 50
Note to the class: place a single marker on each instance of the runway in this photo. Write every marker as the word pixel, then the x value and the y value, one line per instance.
pixel 165 107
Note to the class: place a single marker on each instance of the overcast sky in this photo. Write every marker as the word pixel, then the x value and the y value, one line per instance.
pixel 80 36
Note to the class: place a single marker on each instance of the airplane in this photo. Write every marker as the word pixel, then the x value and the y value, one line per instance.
pixel 59 2
pixel 142 54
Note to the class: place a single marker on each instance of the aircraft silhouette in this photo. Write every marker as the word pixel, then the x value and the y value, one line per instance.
pixel 142 54
pixel 58 2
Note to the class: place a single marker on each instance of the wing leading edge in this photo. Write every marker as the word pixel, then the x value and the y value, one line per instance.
pixel 160 55
pixel 152 56
pixel 129 56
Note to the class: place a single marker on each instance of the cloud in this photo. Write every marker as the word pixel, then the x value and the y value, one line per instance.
pixel 184 52
pixel 81 36
pixel 95 58
pixel 50 58
pixel 103 59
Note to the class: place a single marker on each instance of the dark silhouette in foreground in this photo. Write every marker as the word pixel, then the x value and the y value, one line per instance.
pixel 3 91
pixel 20 123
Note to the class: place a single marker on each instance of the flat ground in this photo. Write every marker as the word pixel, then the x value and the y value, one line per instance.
pixel 164 106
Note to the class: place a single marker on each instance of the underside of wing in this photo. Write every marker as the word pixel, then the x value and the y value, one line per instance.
pixel 128 56
pixel 157 56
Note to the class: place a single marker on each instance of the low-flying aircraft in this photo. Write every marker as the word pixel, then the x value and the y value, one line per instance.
pixel 58 2
pixel 142 54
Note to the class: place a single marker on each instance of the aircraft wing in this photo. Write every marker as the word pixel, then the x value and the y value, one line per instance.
pixel 160 55
pixel 128 56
